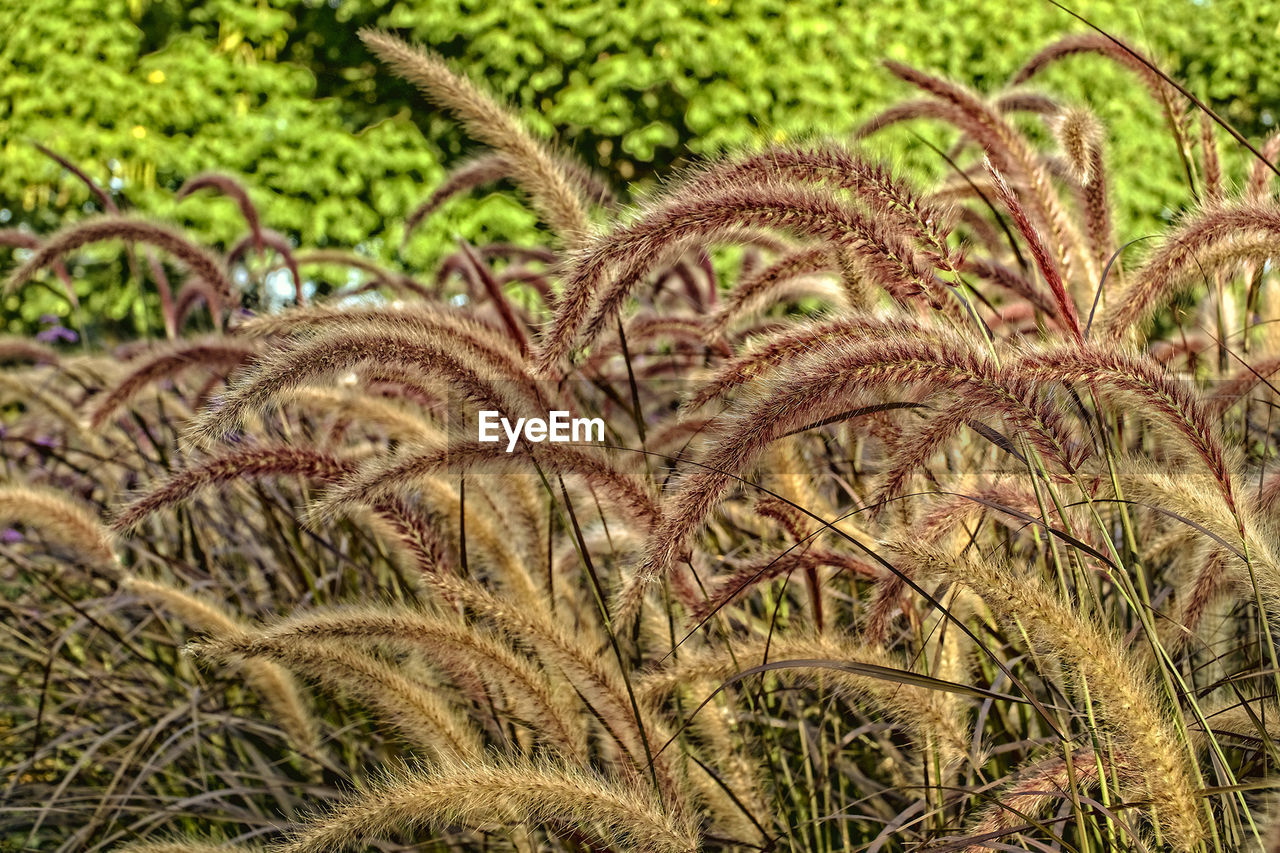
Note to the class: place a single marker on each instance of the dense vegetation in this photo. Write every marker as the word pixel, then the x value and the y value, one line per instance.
pixel 945 521
pixel 145 94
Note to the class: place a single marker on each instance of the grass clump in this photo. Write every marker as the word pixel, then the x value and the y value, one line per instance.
pixel 940 525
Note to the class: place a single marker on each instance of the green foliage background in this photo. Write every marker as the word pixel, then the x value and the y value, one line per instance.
pixel 145 93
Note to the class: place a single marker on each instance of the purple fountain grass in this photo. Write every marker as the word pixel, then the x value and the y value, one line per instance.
pixel 836 377
pixel 1045 262
pixel 244 463
pixel 533 166
pixel 489 168
pixel 217 354
pixel 888 258
pixel 200 261
pixel 1151 286
pixel 476 373
pixel 234 190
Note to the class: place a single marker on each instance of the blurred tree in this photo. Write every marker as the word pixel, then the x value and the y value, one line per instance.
pixel 145 93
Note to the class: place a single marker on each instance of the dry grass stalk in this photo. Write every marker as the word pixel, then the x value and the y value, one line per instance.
pixel 935 724
pixel 201 262
pixel 479 795
pixel 220 355
pixel 418 711
pixel 534 168
pixel 236 465
pixel 1152 285
pixel 457 647
pixel 1123 698
pixel 1039 789
pixel 272 682
pixel 56 517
